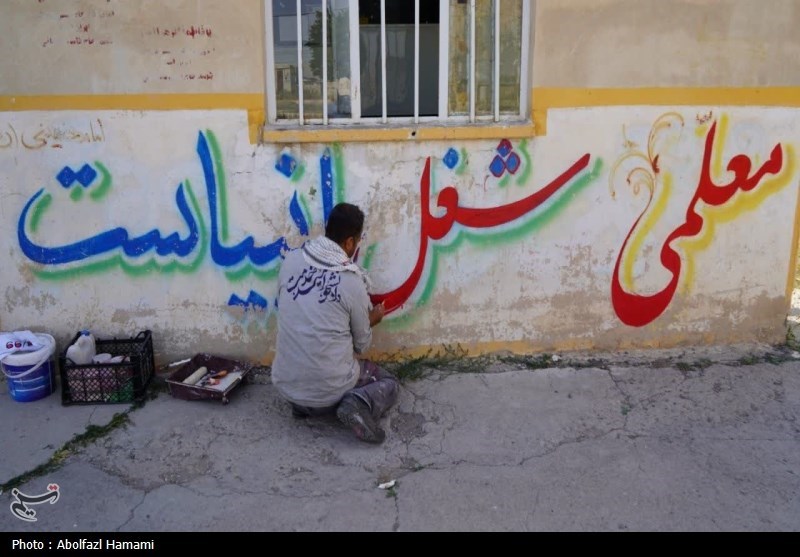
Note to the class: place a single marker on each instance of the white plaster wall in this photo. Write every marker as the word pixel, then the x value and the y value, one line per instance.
pixel 543 286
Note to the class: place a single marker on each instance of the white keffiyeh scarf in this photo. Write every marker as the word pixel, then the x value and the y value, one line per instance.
pixel 324 253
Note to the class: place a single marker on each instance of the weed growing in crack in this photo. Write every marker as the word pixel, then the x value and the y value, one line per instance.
pixel 748 360
pixel 698 365
pixel 447 357
pixel 774 359
pixel 791 340
pixel 450 359
pixel 592 362
pixel 541 361
pixel 703 363
pixel 409 369
pixel 92 433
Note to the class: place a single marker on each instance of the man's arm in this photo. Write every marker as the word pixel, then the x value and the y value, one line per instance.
pixel 376 314
pixel 361 314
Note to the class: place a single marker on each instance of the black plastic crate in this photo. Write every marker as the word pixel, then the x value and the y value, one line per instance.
pixel 109 383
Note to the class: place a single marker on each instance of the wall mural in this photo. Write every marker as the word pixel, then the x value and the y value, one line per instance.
pixel 205 235
pixel 638 310
pixel 435 228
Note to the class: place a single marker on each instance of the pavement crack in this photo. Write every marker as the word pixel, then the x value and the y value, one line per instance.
pixel 396 525
pixel 627 404
pixel 132 513
pixel 91 416
pixel 441 407
pixel 573 441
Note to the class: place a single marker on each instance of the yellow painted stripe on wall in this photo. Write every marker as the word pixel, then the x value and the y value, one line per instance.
pixel 252 103
pixel 543 98
pixel 546 98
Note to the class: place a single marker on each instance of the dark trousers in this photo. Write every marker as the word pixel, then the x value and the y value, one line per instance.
pixel 376 387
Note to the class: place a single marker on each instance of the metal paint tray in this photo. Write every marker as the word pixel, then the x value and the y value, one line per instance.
pixel 179 389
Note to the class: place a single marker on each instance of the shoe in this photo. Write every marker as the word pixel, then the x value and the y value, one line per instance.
pixel 354 413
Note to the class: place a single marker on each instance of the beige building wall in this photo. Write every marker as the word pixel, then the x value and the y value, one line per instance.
pixel 666 43
pixel 128 120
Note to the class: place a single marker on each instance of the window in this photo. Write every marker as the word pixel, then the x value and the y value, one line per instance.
pixel 403 61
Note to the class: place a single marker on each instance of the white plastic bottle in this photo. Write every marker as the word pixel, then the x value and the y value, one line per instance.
pixel 83 350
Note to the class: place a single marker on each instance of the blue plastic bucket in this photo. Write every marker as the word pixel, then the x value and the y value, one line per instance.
pixel 31 375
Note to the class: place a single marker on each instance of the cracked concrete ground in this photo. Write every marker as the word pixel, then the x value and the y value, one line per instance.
pixel 681 440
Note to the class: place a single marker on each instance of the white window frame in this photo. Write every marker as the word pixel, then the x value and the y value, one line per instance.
pixel 355 71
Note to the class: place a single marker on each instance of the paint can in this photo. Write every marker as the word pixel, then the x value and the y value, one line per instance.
pixel 31 375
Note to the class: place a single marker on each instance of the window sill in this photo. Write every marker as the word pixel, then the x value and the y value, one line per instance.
pixel 423 132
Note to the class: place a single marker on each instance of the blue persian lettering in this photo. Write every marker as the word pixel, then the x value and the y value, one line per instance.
pixel 297 215
pixel 451 159
pixel 85 176
pixel 254 300
pixel 286 165
pixel 111 240
pixel 224 255
pixel 326 182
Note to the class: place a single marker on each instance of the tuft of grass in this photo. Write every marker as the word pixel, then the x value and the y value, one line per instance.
pixel 703 363
pixel 407 369
pixel 539 361
pixel 776 359
pixel 697 365
pixel 414 368
pixel 792 341
pixel 748 360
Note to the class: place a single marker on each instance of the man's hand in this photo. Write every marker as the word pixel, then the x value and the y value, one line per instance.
pixel 376 314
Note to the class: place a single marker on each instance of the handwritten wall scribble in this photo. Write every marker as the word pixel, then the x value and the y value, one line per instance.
pixel 51 136
pixel 96 47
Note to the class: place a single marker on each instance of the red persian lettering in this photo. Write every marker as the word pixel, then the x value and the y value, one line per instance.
pixel 637 310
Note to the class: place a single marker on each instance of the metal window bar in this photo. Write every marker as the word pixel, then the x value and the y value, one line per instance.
pixel 496 60
pixel 444 61
pixel 524 90
pixel 383 61
pixel 416 61
pixel 443 68
pixel 471 55
pixel 269 44
pixel 325 62
pixel 299 65
pixel 355 62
